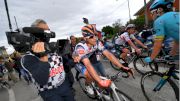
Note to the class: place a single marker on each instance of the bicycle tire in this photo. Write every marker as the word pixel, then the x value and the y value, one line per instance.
pixel 169 91
pixel 141 67
pixel 123 96
pixel 81 81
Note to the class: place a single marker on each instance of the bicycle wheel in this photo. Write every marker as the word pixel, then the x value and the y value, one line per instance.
pixel 116 67
pixel 120 95
pixel 168 92
pixel 82 84
pixel 142 67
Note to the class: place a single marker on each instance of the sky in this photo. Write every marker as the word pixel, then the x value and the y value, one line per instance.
pixel 65 16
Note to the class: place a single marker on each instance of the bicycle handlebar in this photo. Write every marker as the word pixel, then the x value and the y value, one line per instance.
pixel 126 75
pixel 168 60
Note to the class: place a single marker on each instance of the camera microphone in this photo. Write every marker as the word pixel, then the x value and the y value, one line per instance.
pixel 32 30
pixel 38 32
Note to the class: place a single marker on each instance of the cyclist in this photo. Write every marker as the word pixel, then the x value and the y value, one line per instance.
pixel 166 24
pixel 95 57
pixel 120 43
pixel 84 50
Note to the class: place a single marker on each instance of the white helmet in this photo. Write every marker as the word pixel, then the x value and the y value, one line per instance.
pixel 130 26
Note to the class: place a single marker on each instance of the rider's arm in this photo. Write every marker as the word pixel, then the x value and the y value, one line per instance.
pixel 159 37
pixel 156 48
pixel 91 70
pixel 132 44
pixel 112 58
pixel 139 42
pixel 128 40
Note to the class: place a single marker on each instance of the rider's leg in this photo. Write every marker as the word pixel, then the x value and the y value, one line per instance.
pixel 88 77
pixel 125 51
pixel 99 68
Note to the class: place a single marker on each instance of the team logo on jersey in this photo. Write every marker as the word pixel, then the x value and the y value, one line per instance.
pixel 55 71
pixel 81 51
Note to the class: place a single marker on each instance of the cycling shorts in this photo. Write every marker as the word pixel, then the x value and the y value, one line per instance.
pixel 81 68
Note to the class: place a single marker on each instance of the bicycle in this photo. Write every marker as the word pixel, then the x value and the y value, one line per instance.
pixel 161 86
pixel 138 62
pixel 107 94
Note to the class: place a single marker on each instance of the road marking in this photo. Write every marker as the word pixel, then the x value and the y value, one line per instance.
pixel 11 95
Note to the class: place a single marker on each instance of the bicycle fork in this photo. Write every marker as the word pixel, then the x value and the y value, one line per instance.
pixel 161 83
pixel 113 87
pixel 164 79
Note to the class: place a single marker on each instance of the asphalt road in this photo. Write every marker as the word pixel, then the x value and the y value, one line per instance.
pixel 23 92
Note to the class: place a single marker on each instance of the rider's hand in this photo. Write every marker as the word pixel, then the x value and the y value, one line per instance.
pixel 128 70
pixel 76 58
pixel 148 60
pixel 105 83
pixel 145 47
pixel 138 51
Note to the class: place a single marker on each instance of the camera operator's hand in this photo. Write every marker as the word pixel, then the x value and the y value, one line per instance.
pixel 38 47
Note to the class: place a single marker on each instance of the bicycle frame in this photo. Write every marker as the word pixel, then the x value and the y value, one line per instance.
pixel 166 76
pixel 134 56
pixel 132 59
pixel 113 87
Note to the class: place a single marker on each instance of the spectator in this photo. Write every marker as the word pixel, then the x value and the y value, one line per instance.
pixel 9 64
pixel 47 70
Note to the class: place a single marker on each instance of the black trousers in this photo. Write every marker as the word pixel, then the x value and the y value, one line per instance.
pixel 61 93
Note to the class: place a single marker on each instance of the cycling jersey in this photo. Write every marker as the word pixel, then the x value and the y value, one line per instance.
pixel 167 25
pixel 123 38
pixel 86 52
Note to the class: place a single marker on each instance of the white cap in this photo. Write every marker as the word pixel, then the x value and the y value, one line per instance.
pixel 130 26
pixel 9 50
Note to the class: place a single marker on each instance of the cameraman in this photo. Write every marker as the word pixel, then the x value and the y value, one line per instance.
pixel 48 70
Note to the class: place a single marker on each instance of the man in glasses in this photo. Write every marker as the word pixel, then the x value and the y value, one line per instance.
pixel 86 49
pixel 166 24
pixel 47 69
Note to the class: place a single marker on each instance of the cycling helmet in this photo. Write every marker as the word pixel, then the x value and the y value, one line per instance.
pixel 165 4
pixel 89 30
pixel 130 26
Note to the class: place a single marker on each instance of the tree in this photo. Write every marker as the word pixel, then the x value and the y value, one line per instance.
pixel 108 30
pixel 139 22
pixel 117 25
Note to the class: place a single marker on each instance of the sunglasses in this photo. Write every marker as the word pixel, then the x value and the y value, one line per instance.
pixel 153 11
pixel 91 37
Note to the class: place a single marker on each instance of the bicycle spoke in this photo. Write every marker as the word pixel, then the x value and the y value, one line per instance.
pixel 141 67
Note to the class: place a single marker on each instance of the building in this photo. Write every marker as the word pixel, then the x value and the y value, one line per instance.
pixel 141 11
